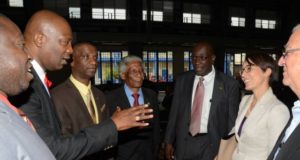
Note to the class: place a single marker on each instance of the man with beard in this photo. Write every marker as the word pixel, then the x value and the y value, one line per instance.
pixel 203 111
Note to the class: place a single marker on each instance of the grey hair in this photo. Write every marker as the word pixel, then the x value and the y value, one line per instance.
pixel 296 28
pixel 128 59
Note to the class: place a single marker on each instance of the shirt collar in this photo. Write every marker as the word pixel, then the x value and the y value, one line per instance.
pixel 296 104
pixel 85 89
pixel 39 70
pixel 5 101
pixel 209 76
pixel 129 92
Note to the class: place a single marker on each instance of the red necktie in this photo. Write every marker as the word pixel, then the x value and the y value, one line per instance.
pixel 47 82
pixel 136 99
pixel 197 108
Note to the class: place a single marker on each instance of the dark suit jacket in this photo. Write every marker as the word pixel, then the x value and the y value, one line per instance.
pixel 290 150
pixel 71 109
pixel 224 108
pixel 39 107
pixel 136 143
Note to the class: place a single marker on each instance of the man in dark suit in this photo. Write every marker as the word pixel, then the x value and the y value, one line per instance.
pixel 288 143
pixel 219 106
pixel 78 104
pixel 137 143
pixel 48 39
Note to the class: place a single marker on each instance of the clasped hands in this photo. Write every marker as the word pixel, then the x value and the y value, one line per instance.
pixel 132 117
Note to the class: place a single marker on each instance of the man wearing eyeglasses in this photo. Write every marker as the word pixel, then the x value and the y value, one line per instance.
pixel 288 143
pixel 203 111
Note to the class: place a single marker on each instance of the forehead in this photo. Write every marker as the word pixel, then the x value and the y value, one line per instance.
pixel 9 31
pixel 294 40
pixel 201 50
pixel 87 48
pixel 134 64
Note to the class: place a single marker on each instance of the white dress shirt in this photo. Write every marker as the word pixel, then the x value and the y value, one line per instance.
pixel 208 83
pixel 41 73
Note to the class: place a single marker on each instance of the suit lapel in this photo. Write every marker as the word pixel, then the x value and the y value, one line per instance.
pixel 218 90
pixel 243 107
pixel 75 93
pixel 124 98
pixel 291 145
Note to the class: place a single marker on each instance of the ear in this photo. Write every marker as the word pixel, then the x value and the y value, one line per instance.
pixel 72 64
pixel 123 76
pixel 213 58
pixel 268 72
pixel 39 39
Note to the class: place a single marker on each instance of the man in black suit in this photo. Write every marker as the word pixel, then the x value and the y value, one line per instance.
pixel 137 143
pixel 288 143
pixel 217 115
pixel 48 39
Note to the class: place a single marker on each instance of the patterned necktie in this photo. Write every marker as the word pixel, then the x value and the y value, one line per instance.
pixel 47 82
pixel 90 106
pixel 136 99
pixel 197 108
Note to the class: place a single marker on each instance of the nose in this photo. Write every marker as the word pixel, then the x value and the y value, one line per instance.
pixel 69 49
pixel 281 61
pixel 93 60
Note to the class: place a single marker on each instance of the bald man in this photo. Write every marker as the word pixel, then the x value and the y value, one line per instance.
pixel 18 139
pixel 48 39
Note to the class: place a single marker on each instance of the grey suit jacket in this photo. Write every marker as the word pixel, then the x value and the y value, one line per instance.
pixel 224 108
pixel 39 107
pixel 261 128
pixel 18 141
pixel 71 109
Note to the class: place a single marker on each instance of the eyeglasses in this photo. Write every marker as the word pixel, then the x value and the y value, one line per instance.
pixel 201 58
pixel 247 69
pixel 285 52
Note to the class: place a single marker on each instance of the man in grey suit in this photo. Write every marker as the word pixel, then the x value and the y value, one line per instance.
pixel 48 38
pixel 218 109
pixel 288 143
pixel 18 139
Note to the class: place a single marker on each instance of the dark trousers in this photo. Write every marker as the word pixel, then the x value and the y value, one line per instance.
pixel 196 147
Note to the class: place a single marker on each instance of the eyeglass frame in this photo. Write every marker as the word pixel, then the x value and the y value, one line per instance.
pixel 285 52
pixel 247 69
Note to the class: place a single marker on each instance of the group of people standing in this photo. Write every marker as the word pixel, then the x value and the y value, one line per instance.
pixel 207 120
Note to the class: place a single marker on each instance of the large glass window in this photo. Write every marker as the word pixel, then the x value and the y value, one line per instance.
pixel 265 19
pixel 196 13
pixel 187 61
pixel 109 9
pixel 237 17
pixel 108 66
pixel 74 9
pixel 15 3
pixel 233 63
pixel 158 65
pixel 161 10
pixel 74 12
